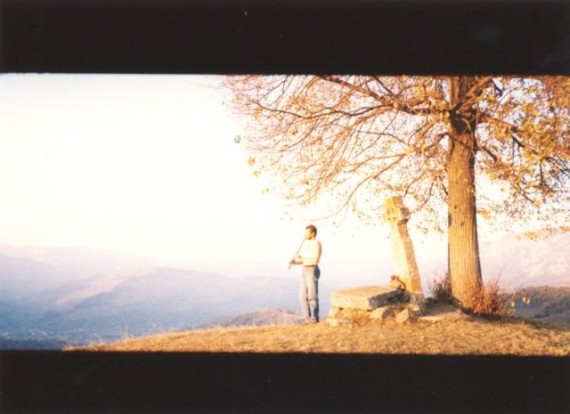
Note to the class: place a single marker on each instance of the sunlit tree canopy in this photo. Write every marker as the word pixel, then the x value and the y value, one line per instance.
pixel 358 139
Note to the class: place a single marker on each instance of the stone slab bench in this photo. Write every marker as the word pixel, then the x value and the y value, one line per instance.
pixel 364 298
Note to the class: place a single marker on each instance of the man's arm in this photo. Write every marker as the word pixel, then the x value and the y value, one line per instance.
pixel 296 260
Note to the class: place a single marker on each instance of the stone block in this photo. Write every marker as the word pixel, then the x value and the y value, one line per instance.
pixel 364 298
pixel 404 296
pixel 415 309
pixel 334 312
pixel 397 215
pixel 403 316
pixel 382 313
pixel 417 298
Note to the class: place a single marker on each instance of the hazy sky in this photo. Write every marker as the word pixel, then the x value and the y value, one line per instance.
pixel 147 165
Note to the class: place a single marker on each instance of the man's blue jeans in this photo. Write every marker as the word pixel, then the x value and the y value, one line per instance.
pixel 309 295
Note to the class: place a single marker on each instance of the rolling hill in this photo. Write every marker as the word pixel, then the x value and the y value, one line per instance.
pixel 262 317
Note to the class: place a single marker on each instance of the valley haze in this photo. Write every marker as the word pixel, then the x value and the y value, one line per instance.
pixel 51 297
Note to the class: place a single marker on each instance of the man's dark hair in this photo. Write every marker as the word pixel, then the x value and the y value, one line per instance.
pixel 312 228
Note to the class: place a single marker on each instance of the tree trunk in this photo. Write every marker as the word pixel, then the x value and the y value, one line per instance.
pixel 463 246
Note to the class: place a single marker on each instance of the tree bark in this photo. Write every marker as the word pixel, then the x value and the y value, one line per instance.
pixel 464 261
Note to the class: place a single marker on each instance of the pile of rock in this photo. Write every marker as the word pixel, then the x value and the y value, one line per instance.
pixel 403 298
pixel 350 306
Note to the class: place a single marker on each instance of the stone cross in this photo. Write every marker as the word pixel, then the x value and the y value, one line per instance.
pixel 397 215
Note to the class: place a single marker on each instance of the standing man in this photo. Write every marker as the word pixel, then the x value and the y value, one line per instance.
pixel 309 255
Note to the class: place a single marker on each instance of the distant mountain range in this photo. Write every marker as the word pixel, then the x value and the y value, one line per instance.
pixel 543 303
pixel 80 296
pixel 59 300
pixel 520 262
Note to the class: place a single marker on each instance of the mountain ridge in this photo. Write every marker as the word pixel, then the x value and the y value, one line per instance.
pixel 94 309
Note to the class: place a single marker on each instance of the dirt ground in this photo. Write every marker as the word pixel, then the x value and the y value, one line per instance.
pixel 444 330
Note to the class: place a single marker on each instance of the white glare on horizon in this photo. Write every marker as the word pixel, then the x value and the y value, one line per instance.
pixel 147 165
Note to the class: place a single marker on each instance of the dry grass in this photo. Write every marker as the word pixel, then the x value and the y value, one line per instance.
pixel 456 334
pixel 441 289
pixel 490 302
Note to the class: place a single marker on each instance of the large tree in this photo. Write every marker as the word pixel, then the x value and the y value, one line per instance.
pixel 439 141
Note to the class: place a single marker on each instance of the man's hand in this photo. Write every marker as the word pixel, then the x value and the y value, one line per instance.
pixel 296 260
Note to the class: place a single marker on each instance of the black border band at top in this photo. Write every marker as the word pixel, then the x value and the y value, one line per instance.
pixel 221 37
